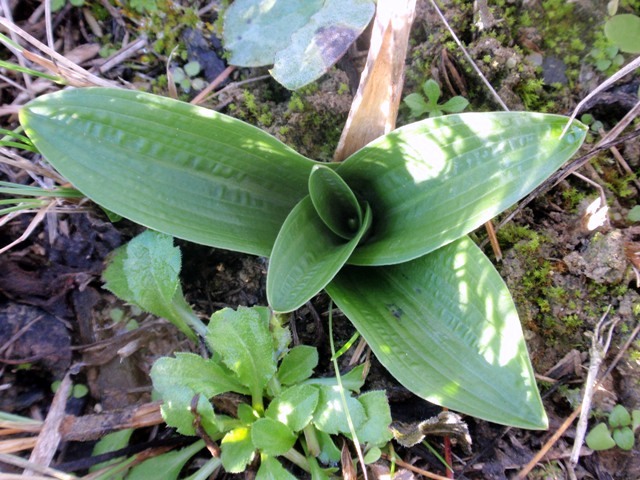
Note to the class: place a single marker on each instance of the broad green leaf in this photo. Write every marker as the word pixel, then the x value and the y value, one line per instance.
pixel 334 202
pixel 237 450
pixel 201 375
pixel 306 256
pixel 243 341
pixel 298 364
pixel 320 43
pixel 247 414
pixel 445 326
pixel 254 30
pixel 272 469
pixel 272 437
pixel 114 276
pixel 180 169
pixel 375 429
pixel 433 181
pixel 110 443
pixel 166 466
pixel 624 31
pixel 330 416
pixel 624 438
pixel 431 90
pixel 294 407
pixel 599 438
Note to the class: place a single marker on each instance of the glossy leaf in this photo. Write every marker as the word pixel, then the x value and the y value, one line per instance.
pixel 445 327
pixel 335 203
pixel 180 169
pixel 433 181
pixel 306 256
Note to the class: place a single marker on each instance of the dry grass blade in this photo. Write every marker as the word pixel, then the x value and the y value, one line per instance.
pixel 19 462
pixel 59 65
pixel 32 225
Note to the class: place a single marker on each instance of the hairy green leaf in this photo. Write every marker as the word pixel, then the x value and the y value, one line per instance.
pixel 272 437
pixel 433 181
pixel 352 380
pixel 294 406
pixel 243 341
pixel 237 450
pixel 330 416
pixel 176 410
pixel 180 169
pixel 298 364
pixel 445 326
pixel 203 376
pixel 306 256
pixel 375 430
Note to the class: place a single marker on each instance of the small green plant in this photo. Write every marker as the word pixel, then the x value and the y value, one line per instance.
pixel 619 431
pixel 58 4
pixel 250 356
pixel 418 106
pixel 384 233
pixel 186 77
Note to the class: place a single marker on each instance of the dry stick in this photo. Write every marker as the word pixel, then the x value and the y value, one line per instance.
pixel 213 85
pixel 49 438
pixel 567 423
pixel 22 463
pixel 408 466
pixel 598 352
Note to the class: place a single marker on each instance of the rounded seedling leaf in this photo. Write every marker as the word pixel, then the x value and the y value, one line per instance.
pixel 455 105
pixel 624 438
pixel 634 214
pixel 432 91
pixel 298 364
pixel 416 104
pixel 599 438
pixel 272 437
pixel 619 417
pixel 624 31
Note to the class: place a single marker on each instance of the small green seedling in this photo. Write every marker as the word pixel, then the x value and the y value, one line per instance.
pixel 418 106
pixel 250 356
pixel 634 214
pixel 58 4
pixel 619 432
pixel 624 31
pixel 187 78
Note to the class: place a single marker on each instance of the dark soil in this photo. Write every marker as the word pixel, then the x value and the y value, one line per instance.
pixel 54 313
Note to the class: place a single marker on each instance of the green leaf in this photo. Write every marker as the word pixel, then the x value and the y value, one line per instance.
pixel 298 364
pixel 110 443
pixel 334 202
pixel 624 31
pixel 329 453
pixel 634 214
pixel 431 90
pixel 272 437
pixel 306 256
pixel 619 417
pixel 433 181
pixel 166 466
pixel 455 105
pixel 176 411
pixel 320 43
pixel 294 407
pixel 243 340
pixel 237 450
pixel 352 380
pixel 599 438
pixel 200 375
pixel 272 469
pixel 445 327
pixel 624 438
pixel 635 415
pixel 416 104
pixel 375 430
pixel 330 416
pixel 180 169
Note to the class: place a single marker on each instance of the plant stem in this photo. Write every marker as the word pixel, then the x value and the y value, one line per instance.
pixel 297 458
pixel 313 445
pixel 184 311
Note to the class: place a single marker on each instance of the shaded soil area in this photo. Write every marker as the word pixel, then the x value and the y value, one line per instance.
pixel 566 262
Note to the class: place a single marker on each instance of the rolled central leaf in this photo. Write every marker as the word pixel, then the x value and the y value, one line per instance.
pixel 335 203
